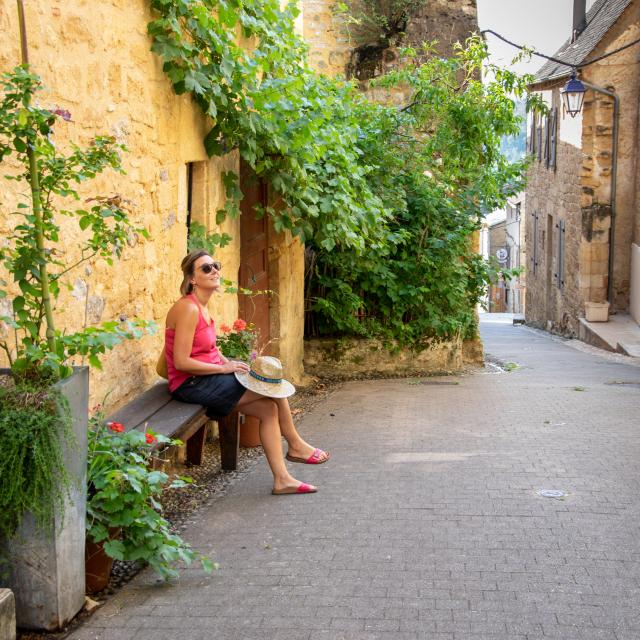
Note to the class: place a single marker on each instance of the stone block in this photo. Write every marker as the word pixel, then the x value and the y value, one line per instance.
pixel 7 615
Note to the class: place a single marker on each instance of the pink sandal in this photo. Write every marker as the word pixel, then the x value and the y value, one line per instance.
pixel 302 488
pixel 314 458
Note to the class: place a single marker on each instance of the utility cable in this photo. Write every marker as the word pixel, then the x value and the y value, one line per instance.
pixel 562 62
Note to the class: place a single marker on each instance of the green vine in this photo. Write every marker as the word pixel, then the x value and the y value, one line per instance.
pixel 35 424
pixel 296 129
pixel 386 196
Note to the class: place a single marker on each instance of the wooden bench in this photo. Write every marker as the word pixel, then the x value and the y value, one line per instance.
pixel 174 419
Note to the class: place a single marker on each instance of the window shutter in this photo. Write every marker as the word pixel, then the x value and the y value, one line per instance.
pixel 532 134
pixel 554 137
pixel 547 131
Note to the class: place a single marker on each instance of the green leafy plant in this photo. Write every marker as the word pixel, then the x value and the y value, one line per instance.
pixel 35 253
pixel 33 423
pixel 387 197
pixel 438 168
pixel 124 493
pixel 374 21
pixel 200 238
pixel 298 130
pixel 238 341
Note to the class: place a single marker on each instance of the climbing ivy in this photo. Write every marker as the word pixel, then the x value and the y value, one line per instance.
pixel 296 129
pixel 386 196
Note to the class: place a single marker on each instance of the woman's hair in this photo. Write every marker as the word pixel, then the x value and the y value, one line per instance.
pixel 187 265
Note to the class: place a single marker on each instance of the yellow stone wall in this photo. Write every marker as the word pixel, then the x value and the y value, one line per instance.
pixel 95 61
pixel 618 73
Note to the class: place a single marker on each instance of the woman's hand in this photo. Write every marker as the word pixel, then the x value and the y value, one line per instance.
pixel 233 366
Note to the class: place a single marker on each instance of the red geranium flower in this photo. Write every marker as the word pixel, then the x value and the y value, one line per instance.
pixel 116 427
pixel 150 438
pixel 225 328
pixel 239 325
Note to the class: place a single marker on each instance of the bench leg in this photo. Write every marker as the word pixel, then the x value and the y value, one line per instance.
pixel 195 445
pixel 229 441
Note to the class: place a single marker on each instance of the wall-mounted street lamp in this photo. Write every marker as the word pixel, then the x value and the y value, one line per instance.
pixel 573 96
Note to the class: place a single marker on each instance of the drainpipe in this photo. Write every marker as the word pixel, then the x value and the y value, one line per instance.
pixel 614 174
pixel 579 18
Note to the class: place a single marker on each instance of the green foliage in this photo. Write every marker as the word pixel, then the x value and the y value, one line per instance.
pixel 34 253
pixel 375 21
pixel 439 167
pixel 387 197
pixel 34 425
pixel 200 238
pixel 238 341
pixel 296 129
pixel 124 492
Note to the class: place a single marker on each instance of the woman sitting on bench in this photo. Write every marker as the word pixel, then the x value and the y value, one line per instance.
pixel 200 374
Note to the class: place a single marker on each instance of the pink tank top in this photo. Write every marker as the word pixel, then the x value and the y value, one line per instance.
pixel 204 347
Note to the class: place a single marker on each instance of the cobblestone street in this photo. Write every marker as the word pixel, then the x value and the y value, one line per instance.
pixel 428 523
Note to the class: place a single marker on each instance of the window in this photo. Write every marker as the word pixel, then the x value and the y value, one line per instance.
pixel 196 194
pixel 532 134
pixel 550 138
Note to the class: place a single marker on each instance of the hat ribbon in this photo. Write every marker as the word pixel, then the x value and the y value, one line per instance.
pixel 257 376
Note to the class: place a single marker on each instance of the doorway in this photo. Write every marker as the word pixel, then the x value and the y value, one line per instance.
pixel 254 254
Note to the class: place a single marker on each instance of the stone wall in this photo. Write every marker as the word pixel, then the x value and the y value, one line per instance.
pixel 618 73
pixel 447 21
pixel 349 357
pixel 444 21
pixel 553 196
pixel 95 61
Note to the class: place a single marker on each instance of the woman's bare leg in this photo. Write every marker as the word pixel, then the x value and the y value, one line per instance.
pixel 270 436
pixel 297 446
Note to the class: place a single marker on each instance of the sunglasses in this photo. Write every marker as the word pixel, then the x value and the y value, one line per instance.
pixel 210 266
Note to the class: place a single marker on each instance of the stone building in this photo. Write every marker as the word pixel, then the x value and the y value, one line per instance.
pixel 583 192
pixel 95 60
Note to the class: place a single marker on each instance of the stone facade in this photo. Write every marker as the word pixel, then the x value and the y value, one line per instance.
pixel 577 193
pixel 332 50
pixel 95 61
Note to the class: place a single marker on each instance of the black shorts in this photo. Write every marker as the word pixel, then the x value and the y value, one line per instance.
pixel 218 392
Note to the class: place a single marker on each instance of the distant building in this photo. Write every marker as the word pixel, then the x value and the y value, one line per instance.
pixel 502 239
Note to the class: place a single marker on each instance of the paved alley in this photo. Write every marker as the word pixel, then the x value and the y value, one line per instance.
pixel 428 523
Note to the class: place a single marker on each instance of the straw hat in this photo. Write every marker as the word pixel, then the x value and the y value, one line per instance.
pixel 266 378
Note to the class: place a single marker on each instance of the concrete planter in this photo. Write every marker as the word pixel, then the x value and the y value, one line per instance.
pixel 596 311
pixel 347 357
pixel 7 615
pixel 47 570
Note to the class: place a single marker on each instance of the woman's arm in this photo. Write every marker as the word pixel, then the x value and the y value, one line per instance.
pixel 186 321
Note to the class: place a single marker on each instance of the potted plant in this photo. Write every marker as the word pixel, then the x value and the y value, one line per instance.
pixel 124 515
pixel 43 399
pixel 238 342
